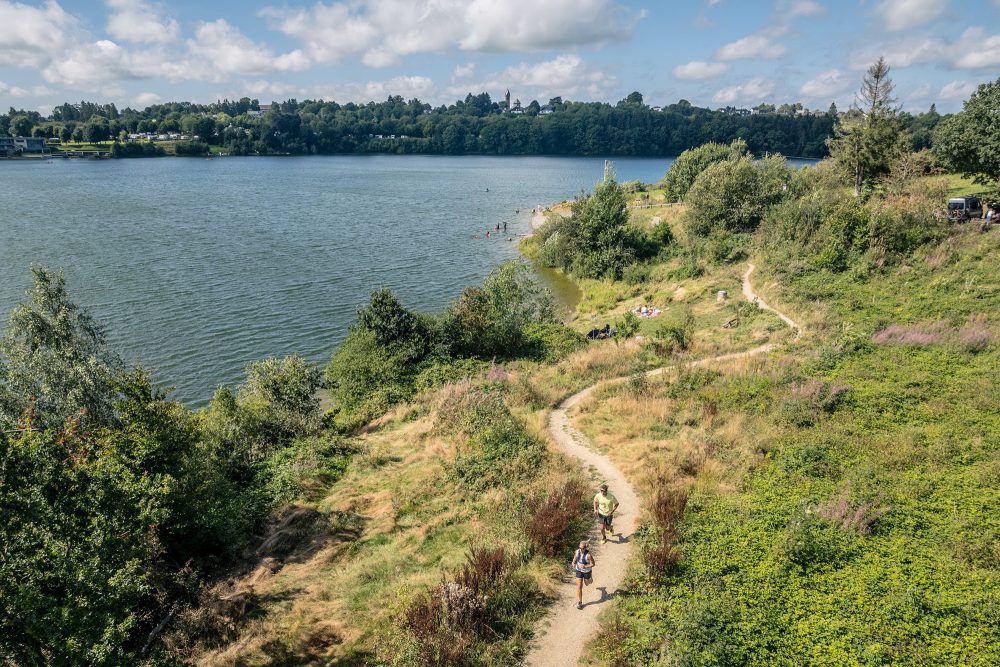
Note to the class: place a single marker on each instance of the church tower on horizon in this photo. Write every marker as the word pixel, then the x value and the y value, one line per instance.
pixel 507 97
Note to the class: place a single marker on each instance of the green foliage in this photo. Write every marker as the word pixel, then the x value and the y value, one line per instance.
pixel 859 526
pixel 733 195
pixel 196 148
pixel 626 327
pixel 969 142
pixel 54 361
pixel 685 169
pixel 867 140
pixel 78 535
pixel 597 240
pixel 552 341
pixel 474 125
pixel 136 149
pixel 305 467
pixel 491 321
pixel 497 449
pixel 662 235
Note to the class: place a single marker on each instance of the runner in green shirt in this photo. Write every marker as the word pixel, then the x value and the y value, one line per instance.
pixel 605 505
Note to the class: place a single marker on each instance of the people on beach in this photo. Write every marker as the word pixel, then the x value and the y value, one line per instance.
pixel 605 505
pixel 583 565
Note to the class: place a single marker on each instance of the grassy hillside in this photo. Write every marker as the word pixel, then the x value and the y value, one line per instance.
pixel 837 496
pixel 842 495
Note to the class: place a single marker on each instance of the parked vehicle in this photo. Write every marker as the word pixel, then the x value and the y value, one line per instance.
pixel 964 208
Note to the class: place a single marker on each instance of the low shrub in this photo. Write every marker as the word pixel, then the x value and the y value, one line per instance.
pixel 811 541
pixel 550 517
pixel 551 341
pixel 496 447
pixel 855 517
pixel 663 555
pixel 807 401
pixel 973 337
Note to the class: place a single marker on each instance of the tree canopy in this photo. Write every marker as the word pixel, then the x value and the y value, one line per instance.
pixel 969 142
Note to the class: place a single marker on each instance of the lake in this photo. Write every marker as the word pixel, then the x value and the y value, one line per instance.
pixel 198 266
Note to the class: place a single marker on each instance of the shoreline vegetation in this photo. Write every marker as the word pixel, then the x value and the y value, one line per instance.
pixel 832 501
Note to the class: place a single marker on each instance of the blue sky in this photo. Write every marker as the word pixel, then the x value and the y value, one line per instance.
pixel 710 52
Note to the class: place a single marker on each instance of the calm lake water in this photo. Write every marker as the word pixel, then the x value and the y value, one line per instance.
pixel 197 267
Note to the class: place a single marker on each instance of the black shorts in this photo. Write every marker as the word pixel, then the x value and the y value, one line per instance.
pixel 606 520
pixel 583 575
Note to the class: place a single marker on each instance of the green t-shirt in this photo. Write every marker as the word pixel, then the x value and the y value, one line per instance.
pixel 605 503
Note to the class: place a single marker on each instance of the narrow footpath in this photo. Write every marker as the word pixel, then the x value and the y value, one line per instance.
pixel 560 643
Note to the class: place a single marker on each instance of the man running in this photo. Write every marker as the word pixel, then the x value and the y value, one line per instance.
pixel 583 565
pixel 605 505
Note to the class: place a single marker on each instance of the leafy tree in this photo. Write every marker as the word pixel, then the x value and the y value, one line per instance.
pixel 54 361
pixel 733 195
pixel 20 126
pixel 604 245
pixel 78 532
pixel 969 142
pixel 869 138
pixel 493 320
pixel 685 169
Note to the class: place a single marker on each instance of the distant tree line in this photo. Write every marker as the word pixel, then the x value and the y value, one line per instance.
pixel 475 125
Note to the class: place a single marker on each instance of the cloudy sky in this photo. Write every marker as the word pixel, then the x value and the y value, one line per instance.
pixel 711 52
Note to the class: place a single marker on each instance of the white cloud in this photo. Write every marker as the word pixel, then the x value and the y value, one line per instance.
pixel 826 85
pixel 32 35
pixel 904 14
pixel 698 70
pixel 143 100
pixel 790 9
pixel 13 91
pixel 404 86
pixel 979 50
pixel 754 90
pixel 759 45
pixel 139 21
pixel 219 49
pixel 958 91
pixel 92 66
pixel 381 31
pixel 566 75
pixel 463 71
pixel 973 49
pixel 921 92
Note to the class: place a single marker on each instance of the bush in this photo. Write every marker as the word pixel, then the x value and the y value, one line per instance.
pixel 810 541
pixel 691 163
pixel 305 468
pixel 663 555
pixel 492 320
pixel 136 149
pixel 734 195
pixel 725 246
pixel 551 516
pixel 551 341
pixel 191 148
pixel 497 448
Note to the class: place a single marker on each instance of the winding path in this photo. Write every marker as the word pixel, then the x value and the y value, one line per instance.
pixel 568 629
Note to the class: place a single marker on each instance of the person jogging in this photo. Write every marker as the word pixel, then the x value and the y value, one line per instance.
pixel 605 505
pixel 583 565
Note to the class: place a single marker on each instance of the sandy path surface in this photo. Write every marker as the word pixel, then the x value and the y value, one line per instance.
pixel 560 643
pixel 537 218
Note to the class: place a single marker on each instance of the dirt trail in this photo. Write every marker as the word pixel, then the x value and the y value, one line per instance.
pixel 560 643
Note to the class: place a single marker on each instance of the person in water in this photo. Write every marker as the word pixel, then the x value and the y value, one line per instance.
pixel 583 566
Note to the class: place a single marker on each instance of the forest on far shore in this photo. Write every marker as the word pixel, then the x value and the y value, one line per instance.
pixel 475 125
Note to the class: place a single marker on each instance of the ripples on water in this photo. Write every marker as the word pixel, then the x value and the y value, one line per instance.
pixel 197 267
